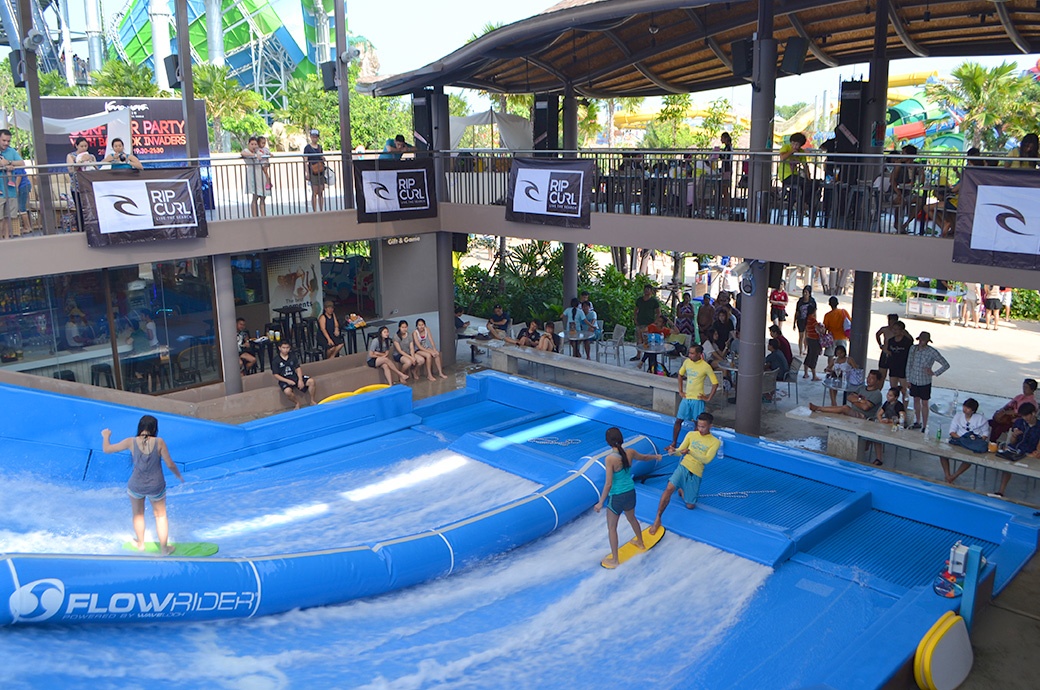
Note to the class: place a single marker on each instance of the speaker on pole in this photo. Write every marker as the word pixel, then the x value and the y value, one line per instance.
pixel 459 242
pixel 742 53
pixel 18 68
pixel 173 71
pixel 328 75
pixel 794 55
pixel 776 274
pixel 546 122
pixel 422 119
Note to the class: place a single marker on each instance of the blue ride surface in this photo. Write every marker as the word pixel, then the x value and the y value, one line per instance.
pixel 852 549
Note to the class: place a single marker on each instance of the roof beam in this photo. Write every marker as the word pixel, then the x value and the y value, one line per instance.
pixel 642 68
pixel 817 52
pixel 710 40
pixel 904 35
pixel 1009 26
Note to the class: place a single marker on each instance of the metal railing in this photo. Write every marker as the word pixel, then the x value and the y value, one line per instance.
pixel 886 193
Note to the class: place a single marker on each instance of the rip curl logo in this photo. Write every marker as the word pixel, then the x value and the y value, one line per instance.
pixel 381 191
pixel 124 201
pixel 37 601
pixel 1012 213
pixel 1005 220
pixel 531 191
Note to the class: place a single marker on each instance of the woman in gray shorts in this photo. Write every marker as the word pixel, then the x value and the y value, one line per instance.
pixel 148 452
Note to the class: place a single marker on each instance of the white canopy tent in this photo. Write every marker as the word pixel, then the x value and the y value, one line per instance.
pixel 515 131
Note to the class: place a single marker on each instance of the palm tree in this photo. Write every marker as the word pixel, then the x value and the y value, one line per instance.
pixel 224 97
pixel 307 102
pixel 990 100
pixel 123 79
pixel 613 105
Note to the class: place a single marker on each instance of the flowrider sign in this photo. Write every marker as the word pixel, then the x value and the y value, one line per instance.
pixel 123 206
pixel 550 192
pixel 394 190
pixel 998 221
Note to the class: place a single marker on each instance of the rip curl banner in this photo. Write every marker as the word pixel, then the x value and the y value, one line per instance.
pixel 128 206
pixel 394 190
pixel 550 192
pixel 998 219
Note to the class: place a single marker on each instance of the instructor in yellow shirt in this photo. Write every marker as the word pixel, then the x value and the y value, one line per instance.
pixel 697 450
pixel 693 371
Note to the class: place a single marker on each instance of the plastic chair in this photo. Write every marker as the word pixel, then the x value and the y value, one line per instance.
pixel 615 344
pixel 769 385
pixel 792 377
pixel 678 338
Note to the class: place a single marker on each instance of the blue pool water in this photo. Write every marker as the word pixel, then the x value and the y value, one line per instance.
pixel 795 570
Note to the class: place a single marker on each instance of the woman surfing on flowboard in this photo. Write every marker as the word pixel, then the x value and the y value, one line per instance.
pixel 147 452
pixel 622 492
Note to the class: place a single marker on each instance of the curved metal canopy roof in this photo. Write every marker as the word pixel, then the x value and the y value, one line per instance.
pixel 617 48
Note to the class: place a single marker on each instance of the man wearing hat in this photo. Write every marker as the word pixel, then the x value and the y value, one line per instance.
pixel 315 162
pixel 919 375
pixel 76 330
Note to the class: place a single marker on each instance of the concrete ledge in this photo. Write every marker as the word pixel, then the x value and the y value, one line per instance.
pixel 260 396
pixel 846 439
pixel 504 358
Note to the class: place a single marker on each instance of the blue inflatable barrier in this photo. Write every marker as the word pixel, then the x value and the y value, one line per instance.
pixel 104 589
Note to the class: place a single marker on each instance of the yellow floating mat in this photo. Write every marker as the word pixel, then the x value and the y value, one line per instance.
pixel 359 391
pixel 630 549
pixel 944 656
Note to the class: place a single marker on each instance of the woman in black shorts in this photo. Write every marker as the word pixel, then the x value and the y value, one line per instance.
pixel 380 356
pixel 898 348
pixel 801 313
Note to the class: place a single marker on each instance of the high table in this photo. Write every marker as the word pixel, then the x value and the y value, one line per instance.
pixel 577 337
pixel 652 350
pixel 838 385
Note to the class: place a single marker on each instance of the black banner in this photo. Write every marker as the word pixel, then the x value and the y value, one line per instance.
pixel 394 190
pixel 156 128
pixel 126 206
pixel 998 220
pixel 550 192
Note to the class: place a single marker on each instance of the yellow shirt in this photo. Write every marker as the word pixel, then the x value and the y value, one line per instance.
pixel 791 166
pixel 698 450
pixel 695 373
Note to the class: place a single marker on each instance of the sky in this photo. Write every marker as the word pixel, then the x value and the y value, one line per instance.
pixel 409 34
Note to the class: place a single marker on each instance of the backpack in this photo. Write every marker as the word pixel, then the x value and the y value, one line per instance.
pixel 317 168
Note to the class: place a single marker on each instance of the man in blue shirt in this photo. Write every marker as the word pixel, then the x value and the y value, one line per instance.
pixel 1023 438
pixel 9 161
pixel 395 148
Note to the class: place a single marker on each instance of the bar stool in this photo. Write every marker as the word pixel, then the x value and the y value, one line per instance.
pixel 65 375
pixel 99 370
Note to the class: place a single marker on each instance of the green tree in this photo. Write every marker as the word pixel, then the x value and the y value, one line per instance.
pixel 719 116
pixel 995 102
pixel 787 111
pixel 54 84
pixel 669 129
pixel 13 98
pixel 118 79
pixel 588 122
pixel 225 98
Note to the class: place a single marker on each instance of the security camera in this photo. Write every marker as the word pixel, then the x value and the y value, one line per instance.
pixel 740 269
pixel 349 54
pixel 34 38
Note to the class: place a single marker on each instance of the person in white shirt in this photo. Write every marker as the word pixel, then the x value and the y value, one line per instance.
pixel 966 423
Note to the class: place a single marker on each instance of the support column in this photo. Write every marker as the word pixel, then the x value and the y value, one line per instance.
pixel 763 108
pixel 753 325
pixel 159 14
pixel 66 43
pixel 445 268
pixel 214 32
pixel 346 145
pixel 224 298
pixel 32 93
pixel 873 126
pixel 95 41
pixel 570 147
pixel 446 299
pixel 191 134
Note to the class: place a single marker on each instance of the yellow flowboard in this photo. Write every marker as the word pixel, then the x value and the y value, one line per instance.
pixel 630 549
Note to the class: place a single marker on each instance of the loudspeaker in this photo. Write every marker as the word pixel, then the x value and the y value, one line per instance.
pixel 422 119
pixel 794 55
pixel 173 71
pixel 18 69
pixel 328 75
pixel 776 274
pixel 546 122
pixel 851 115
pixel 743 55
pixel 459 242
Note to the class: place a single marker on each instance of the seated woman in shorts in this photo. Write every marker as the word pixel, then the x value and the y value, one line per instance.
pixel 404 353
pixel 549 342
pixel 425 352
pixel 380 356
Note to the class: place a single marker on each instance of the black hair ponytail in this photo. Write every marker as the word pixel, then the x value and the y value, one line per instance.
pixel 616 441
